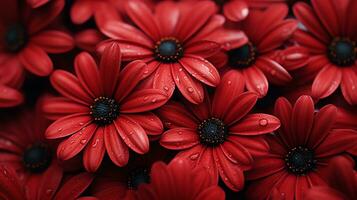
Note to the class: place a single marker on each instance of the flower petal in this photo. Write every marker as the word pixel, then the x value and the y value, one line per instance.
pixel 256 81
pixel 53 41
pixel 94 152
pixel 326 82
pixel 74 186
pixel 255 124
pixel 262 169
pixel 236 10
pixel 163 79
pixel 302 119
pixel 348 85
pixel 116 148
pixel 150 123
pixel 201 69
pixel 9 97
pixel 237 153
pixel 143 100
pixel 57 107
pixel 274 72
pixel 202 48
pixel 132 134
pixel 179 138
pixel 36 60
pixel 75 143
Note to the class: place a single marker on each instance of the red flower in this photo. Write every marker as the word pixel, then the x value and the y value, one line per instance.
pixel 299 151
pixel 178 181
pixel 52 185
pixel 254 60
pixel 113 183
pixel 219 135
pixel 102 111
pixel 342 180
pixel 170 41
pixel 331 40
pixel 237 10
pixel 26 38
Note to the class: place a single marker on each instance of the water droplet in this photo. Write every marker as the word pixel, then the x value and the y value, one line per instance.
pixel 166 88
pixel 263 122
pixel 229 82
pixel 49 191
pixel 60 129
pixel 81 123
pixel 194 156
pixel 146 98
pixel 190 89
pixel 83 141
pixel 179 132
pixel 154 100
pixel 95 143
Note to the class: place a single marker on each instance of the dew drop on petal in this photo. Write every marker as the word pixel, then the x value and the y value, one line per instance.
pixel 83 141
pixel 194 156
pixel 263 122
pixel 190 89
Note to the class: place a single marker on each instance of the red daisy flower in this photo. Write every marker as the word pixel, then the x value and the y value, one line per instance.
pixel 299 151
pixel 113 183
pixel 52 185
pixel 342 180
pixel 178 181
pixel 26 38
pixel 219 135
pixel 254 60
pixel 237 10
pixel 102 111
pixel 331 39
pixel 171 41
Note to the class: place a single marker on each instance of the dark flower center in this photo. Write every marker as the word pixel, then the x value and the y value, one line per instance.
pixel 342 51
pixel 168 50
pixel 37 158
pixel 243 56
pixel 212 132
pixel 137 177
pixel 300 160
pixel 15 37
pixel 104 110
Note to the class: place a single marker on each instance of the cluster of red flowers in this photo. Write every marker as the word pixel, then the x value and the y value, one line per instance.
pixel 185 99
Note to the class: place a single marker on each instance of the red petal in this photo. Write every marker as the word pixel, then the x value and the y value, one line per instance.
pixel 10 184
pixel 239 107
pixel 150 123
pixel 36 60
pixel 202 48
pixel 201 69
pixel 273 71
pixel 115 147
pixel 232 85
pixel 174 115
pixel 190 88
pixel 302 119
pixel 228 38
pixel 307 16
pixel 283 110
pixel 167 15
pixel 41 17
pixel 143 101
pixel 57 107
pixel 88 39
pixel 130 76
pixel 306 40
pixel 74 144
pixel 262 169
pixel 236 10
pixel 132 134
pixel 68 85
pixel 256 81
pixel 94 152
pixel 163 79
pixel 81 11
pixel 338 141
pixel 237 153
pixel 67 125
pixel 328 17
pixel 179 138
pixel 322 193
pixel 323 122
pixel 142 16
pixel 75 186
pixel 326 82
pixel 37 3
pixel 109 67
pixel 256 145
pixel 88 74
pixel 9 97
pixel 53 41
pixel 231 174
pixel 255 124
pixel 50 181
pixel 193 19
pixel 301 186
pixel 278 36
pixel 211 193
pixel 348 85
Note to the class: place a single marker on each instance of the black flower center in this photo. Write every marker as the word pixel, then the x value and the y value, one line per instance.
pixel 300 160
pixel 37 158
pixel 212 132
pixel 168 50
pixel 137 177
pixel 104 110
pixel 15 37
pixel 243 56
pixel 342 51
